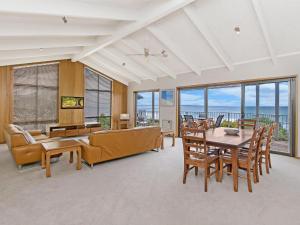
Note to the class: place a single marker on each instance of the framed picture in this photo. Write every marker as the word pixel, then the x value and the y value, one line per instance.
pixel 69 102
pixel 167 97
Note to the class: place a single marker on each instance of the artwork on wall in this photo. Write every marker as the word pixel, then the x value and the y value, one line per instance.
pixel 167 97
pixel 69 102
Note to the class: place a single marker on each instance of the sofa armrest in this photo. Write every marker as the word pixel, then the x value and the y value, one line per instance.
pixel 27 153
pixel 35 132
pixel 90 154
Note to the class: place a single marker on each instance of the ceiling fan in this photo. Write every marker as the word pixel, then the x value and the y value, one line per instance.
pixel 147 53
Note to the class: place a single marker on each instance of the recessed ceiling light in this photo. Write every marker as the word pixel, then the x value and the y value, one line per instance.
pixel 237 30
pixel 64 19
pixel 123 64
pixel 41 49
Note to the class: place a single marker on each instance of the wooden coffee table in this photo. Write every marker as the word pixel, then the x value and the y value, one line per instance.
pixel 167 133
pixel 57 147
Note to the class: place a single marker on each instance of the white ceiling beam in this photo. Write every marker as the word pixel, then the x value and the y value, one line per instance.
pixel 263 26
pixel 94 64
pixel 15 29
pixel 21 43
pixel 117 69
pixel 173 47
pixel 33 60
pixel 210 39
pixel 66 8
pixel 163 10
pixel 152 60
pixel 22 54
pixel 131 65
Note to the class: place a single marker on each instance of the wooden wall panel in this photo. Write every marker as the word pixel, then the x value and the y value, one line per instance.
pixel 119 102
pixel 71 83
pixel 6 85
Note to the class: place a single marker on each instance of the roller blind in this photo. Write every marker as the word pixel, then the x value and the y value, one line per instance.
pixel 35 96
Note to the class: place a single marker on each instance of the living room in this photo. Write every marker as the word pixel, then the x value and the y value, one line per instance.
pixel 153 112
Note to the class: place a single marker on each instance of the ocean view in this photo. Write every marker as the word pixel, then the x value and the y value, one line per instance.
pixel 232 109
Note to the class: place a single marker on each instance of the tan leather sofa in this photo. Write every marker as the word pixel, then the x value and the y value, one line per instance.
pixel 24 150
pixel 106 145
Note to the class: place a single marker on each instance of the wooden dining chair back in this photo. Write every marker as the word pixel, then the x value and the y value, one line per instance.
pixel 246 161
pixel 246 123
pixel 195 152
pixel 266 149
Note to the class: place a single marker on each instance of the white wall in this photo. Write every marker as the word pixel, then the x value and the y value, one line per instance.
pixel 259 70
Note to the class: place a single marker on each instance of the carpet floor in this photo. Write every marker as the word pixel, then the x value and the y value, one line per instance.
pixel 145 189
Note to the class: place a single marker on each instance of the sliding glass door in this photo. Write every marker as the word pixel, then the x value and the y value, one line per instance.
pixel 192 102
pixel 225 100
pixel 147 108
pixel 265 101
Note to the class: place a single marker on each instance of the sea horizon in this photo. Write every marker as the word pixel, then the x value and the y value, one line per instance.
pixel 283 110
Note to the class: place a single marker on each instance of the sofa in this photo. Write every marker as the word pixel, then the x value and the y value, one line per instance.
pixel 25 145
pixel 107 145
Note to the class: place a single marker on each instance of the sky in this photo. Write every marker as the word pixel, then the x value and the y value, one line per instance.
pixel 230 96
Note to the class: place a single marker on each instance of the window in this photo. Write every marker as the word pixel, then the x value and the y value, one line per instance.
pixel 265 101
pixel 224 101
pixel 147 108
pixel 35 96
pixel 192 102
pixel 97 98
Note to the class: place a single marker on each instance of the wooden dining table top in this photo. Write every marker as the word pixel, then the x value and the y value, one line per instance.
pixel 218 137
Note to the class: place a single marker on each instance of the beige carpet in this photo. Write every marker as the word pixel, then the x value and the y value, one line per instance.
pixel 145 189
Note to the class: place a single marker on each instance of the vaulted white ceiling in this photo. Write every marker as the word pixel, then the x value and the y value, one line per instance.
pixel 198 35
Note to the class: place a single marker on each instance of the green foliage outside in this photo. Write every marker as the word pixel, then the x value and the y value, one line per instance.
pixel 282 134
pixel 104 121
pixel 231 124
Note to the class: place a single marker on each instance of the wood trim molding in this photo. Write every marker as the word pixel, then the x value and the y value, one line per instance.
pixel 6 88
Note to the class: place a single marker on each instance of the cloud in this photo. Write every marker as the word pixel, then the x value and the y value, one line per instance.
pixel 229 96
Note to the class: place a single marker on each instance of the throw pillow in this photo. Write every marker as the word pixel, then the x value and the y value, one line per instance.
pixel 19 128
pixel 29 138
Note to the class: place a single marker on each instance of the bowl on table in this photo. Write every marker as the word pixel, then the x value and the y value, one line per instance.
pixel 231 131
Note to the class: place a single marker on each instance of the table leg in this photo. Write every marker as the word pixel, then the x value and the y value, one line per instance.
pixel 234 153
pixel 71 157
pixel 173 140
pixel 162 146
pixel 79 158
pixel 43 164
pixel 48 172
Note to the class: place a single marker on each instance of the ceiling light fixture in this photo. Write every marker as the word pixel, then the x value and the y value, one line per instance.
pixel 237 30
pixel 41 49
pixel 64 19
pixel 123 64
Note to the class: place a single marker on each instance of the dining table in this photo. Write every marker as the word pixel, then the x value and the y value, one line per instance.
pixel 216 137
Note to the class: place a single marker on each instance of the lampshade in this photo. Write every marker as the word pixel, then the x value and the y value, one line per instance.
pixel 124 116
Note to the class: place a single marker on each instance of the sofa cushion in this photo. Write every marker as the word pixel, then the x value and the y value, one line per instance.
pixel 41 137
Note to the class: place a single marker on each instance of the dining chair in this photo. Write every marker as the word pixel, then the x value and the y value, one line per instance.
pixel 265 152
pixel 196 155
pixel 247 161
pixel 246 123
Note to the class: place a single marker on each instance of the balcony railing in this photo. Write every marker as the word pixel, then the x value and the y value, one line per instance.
pixel 145 118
